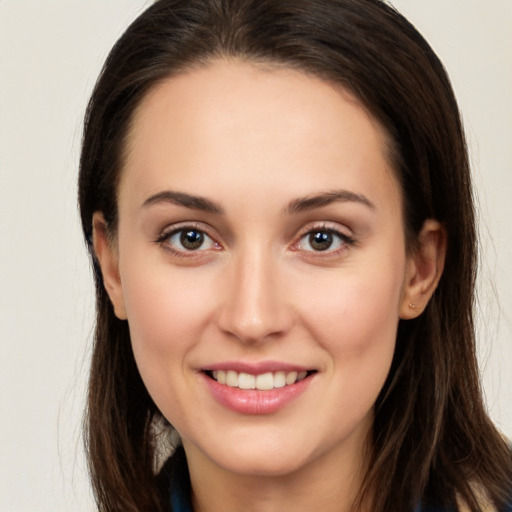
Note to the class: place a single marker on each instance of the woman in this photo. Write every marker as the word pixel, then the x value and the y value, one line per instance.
pixel 277 199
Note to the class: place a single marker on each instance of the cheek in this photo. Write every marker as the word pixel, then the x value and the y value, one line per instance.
pixel 162 303
pixel 356 324
pixel 152 312
pixel 355 319
pixel 356 309
pixel 166 318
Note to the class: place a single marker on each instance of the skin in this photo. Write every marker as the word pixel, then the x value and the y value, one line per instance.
pixel 255 142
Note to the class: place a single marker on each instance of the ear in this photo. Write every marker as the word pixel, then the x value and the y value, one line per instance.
pixel 424 269
pixel 107 256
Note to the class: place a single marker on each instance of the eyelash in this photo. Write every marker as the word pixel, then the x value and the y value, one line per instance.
pixel 163 240
pixel 344 240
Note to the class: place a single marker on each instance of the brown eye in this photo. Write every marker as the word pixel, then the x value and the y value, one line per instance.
pixel 191 239
pixel 326 240
pixel 188 239
pixel 320 240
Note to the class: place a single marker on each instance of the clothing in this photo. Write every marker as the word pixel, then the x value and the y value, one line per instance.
pixel 174 482
pixel 175 470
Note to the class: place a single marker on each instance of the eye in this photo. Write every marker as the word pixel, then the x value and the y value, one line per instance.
pixel 188 239
pixel 324 240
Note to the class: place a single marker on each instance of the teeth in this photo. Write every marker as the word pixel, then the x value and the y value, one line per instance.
pixel 262 382
pixel 279 379
pixel 265 381
pixel 232 379
pixel 246 381
pixel 291 378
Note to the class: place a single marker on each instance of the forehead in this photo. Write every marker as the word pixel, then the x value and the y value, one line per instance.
pixel 254 124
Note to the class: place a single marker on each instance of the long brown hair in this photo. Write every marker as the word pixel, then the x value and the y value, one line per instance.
pixel 431 435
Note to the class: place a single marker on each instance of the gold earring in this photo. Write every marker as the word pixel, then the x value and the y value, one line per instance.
pixel 413 306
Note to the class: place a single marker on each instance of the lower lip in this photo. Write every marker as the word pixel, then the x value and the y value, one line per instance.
pixel 254 401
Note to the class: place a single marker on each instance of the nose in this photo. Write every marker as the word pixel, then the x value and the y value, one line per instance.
pixel 254 306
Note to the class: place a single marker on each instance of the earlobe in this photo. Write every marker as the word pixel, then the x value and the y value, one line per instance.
pixel 424 269
pixel 107 257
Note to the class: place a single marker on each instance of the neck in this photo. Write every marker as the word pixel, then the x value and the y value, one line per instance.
pixel 330 482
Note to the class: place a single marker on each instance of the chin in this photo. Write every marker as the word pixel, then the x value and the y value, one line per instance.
pixel 258 460
pixel 270 467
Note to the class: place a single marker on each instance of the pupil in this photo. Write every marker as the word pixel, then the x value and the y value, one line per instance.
pixel 191 239
pixel 321 240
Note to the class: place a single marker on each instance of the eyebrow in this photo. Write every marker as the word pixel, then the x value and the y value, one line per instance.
pixel 183 199
pixel 298 205
pixel 317 201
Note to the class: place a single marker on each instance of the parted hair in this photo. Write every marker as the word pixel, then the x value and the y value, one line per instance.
pixel 431 436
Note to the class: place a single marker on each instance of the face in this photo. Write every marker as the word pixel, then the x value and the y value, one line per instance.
pixel 261 264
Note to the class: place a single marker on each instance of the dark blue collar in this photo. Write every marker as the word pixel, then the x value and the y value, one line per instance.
pixel 174 482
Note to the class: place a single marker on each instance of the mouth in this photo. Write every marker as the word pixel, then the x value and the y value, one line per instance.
pixel 257 388
pixel 261 382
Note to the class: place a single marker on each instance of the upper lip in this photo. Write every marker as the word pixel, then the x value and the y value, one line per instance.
pixel 257 368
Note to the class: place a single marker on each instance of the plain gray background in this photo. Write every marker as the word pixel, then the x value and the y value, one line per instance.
pixel 50 54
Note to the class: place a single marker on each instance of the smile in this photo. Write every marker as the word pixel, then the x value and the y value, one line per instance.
pixel 262 382
pixel 253 390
